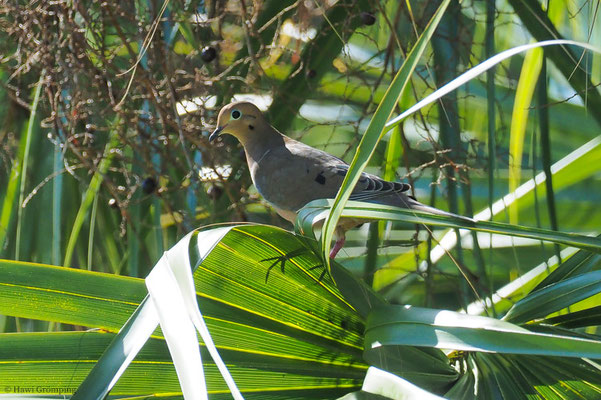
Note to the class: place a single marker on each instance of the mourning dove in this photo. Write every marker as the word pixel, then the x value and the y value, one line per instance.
pixel 289 174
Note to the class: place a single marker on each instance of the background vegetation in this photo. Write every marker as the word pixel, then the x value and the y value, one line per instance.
pixel 105 163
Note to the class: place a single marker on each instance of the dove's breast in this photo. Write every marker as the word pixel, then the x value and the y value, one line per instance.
pixel 288 181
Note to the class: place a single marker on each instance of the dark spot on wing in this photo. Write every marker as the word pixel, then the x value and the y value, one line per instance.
pixel 320 178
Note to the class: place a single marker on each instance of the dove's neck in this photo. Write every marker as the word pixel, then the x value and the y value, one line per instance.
pixel 261 143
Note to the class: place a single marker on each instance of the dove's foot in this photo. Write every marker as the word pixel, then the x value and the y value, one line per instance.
pixel 337 247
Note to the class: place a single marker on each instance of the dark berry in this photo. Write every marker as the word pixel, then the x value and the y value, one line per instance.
pixel 113 203
pixel 311 73
pixel 149 185
pixel 208 54
pixel 214 192
pixel 368 18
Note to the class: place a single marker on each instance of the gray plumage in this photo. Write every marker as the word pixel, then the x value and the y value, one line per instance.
pixel 289 174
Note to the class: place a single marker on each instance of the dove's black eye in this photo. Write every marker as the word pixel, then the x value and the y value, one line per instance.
pixel 236 114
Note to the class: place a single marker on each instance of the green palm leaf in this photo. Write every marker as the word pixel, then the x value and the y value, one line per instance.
pixel 282 321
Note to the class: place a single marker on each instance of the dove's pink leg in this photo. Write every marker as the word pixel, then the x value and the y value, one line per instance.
pixel 337 246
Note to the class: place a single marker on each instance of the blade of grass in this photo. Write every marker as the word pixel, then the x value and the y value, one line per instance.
pixel 545 144
pixel 392 162
pixel 18 175
pixel 91 193
pixel 523 98
pixel 57 197
pixel 91 234
pixel 491 114
pixel 28 140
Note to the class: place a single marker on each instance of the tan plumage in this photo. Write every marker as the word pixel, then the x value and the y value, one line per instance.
pixel 289 174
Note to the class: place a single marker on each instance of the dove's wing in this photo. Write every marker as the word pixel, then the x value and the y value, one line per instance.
pixel 291 175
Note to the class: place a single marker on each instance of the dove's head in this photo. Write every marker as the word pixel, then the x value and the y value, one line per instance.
pixel 242 120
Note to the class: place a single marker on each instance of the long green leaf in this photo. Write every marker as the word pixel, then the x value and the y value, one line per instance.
pixel 578 319
pixel 91 193
pixel 376 130
pixel 490 100
pixel 521 107
pixel 555 297
pixel 54 364
pixel 545 147
pixel 579 263
pixel 18 174
pixel 66 295
pixel 316 211
pixel 414 326
pixel 480 69
pixel 28 139
pixel 427 368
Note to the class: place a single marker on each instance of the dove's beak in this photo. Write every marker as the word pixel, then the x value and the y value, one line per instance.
pixel 216 133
